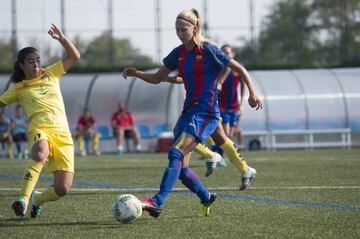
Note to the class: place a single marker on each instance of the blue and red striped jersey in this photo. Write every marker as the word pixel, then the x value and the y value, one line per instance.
pixel 199 69
pixel 229 98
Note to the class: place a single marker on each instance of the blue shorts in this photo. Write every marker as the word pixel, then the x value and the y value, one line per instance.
pixel 200 125
pixel 230 117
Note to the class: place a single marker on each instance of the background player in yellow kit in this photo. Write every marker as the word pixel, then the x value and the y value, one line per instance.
pixel 37 90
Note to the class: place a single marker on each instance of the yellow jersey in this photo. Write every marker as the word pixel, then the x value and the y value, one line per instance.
pixel 41 99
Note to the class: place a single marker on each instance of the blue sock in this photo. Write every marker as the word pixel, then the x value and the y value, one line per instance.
pixel 192 182
pixel 170 176
pixel 217 149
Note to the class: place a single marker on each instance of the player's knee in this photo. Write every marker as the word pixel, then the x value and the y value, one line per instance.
pixel 62 189
pixel 174 153
pixel 40 156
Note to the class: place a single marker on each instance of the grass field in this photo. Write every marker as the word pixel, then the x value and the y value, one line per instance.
pixel 297 194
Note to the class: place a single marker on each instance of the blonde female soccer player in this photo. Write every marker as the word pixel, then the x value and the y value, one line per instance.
pixel 37 90
pixel 199 63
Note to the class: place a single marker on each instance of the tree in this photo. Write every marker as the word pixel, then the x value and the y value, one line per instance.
pixel 98 52
pixel 6 62
pixel 308 33
pixel 341 23
pixel 287 38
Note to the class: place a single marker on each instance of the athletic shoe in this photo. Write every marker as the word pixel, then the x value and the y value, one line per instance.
pixel 35 210
pixel 82 153
pixel 149 206
pixel 222 163
pixel 19 207
pixel 120 152
pixel 246 178
pixel 205 208
pixel 211 164
pixel 97 152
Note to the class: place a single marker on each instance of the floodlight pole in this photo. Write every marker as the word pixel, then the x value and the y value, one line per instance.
pixel 13 30
pixel 63 28
pixel 252 28
pixel 110 32
pixel 206 19
pixel 158 41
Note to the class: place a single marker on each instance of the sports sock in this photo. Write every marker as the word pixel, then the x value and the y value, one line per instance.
pixel 234 156
pixel 47 196
pixel 31 177
pixel 193 183
pixel 204 151
pixel 95 142
pixel 9 150
pixel 81 143
pixel 170 176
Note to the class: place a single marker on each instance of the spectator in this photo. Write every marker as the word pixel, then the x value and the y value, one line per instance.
pixel 123 124
pixel 19 132
pixel 5 134
pixel 86 131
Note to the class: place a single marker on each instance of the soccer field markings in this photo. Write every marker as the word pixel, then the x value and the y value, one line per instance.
pixel 120 188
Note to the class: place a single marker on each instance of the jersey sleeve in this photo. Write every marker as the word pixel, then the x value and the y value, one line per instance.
pixel 55 70
pixel 8 97
pixel 171 61
pixel 221 58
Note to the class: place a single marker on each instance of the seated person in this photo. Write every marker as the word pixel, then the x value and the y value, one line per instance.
pixel 5 134
pixel 123 124
pixel 86 131
pixel 19 132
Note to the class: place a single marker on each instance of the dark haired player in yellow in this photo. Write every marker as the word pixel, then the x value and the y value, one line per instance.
pixel 37 90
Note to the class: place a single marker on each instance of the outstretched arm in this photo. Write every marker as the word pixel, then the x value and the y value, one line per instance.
pixel 174 79
pixel 254 100
pixel 152 78
pixel 72 53
pixel 223 74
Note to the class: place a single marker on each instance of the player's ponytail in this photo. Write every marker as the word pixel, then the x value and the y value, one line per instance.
pixel 18 74
pixel 193 17
pixel 199 37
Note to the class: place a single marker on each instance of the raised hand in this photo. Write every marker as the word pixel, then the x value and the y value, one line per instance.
pixel 55 32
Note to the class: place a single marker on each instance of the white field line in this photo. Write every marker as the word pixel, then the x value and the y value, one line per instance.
pixel 184 189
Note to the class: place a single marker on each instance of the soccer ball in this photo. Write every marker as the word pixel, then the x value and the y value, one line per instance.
pixel 126 208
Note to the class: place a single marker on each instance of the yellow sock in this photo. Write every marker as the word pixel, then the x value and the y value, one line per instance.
pixel 209 141
pixel 31 177
pixel 47 196
pixel 95 142
pixel 234 156
pixel 9 150
pixel 204 151
pixel 81 143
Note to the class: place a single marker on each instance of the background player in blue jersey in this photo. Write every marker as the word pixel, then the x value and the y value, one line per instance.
pixel 19 131
pixel 230 98
pixel 198 63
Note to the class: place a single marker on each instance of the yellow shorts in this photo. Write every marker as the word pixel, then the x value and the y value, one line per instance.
pixel 61 147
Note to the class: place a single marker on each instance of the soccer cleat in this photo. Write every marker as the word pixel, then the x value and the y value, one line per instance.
pixel 82 153
pixel 205 208
pixel 149 206
pixel 120 152
pixel 221 164
pixel 246 178
pixel 35 210
pixel 19 207
pixel 211 164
